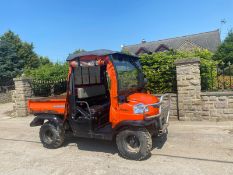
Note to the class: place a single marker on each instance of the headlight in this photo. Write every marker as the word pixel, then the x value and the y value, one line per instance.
pixel 139 108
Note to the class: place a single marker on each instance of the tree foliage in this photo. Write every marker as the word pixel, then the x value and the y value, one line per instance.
pixel 23 50
pixel 15 56
pixel 225 50
pixel 49 72
pixel 10 63
pixel 44 61
pixel 160 70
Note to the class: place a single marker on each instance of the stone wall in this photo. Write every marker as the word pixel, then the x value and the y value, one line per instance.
pixel 173 107
pixel 194 104
pixel 20 96
pixel 217 106
pixel 189 88
pixel 6 97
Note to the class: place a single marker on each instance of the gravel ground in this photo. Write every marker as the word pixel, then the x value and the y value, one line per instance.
pixel 190 148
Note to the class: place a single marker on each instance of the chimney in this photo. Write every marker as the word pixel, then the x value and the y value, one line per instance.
pixel 143 40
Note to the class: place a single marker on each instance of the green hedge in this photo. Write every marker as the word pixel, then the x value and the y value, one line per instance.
pixel 47 77
pixel 160 70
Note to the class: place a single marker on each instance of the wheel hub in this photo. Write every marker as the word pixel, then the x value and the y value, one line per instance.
pixel 49 136
pixel 132 142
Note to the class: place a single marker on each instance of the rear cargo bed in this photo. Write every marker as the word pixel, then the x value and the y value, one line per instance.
pixel 52 105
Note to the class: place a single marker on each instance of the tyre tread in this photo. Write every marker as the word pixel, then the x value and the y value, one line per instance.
pixel 146 135
pixel 59 132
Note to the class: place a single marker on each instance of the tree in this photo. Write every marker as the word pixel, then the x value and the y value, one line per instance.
pixel 44 61
pixel 10 64
pixel 17 56
pixel 225 50
pixel 23 50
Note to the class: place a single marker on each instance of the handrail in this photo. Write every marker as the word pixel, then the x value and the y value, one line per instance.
pixel 159 104
pixel 88 107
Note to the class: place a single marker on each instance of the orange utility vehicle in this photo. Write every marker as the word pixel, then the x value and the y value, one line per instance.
pixel 105 100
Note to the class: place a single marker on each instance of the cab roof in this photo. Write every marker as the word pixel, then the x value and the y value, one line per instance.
pixel 100 52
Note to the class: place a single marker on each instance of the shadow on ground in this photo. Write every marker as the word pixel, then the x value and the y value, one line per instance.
pixel 159 141
pixel 91 144
pixel 106 146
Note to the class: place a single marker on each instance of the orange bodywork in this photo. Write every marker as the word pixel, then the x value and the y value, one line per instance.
pixel 118 111
pixel 124 111
pixel 53 105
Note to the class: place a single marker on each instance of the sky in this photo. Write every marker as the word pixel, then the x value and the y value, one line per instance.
pixel 58 27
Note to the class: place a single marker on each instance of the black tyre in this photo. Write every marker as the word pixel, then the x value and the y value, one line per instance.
pixel 51 136
pixel 134 144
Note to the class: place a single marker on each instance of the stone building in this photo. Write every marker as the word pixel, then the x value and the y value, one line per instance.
pixel 207 40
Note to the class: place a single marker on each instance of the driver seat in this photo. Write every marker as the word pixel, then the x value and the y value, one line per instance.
pixel 96 98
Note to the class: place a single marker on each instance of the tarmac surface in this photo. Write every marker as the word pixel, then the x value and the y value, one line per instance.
pixel 190 148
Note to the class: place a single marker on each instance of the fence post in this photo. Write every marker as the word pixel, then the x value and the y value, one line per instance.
pixel 189 88
pixel 21 94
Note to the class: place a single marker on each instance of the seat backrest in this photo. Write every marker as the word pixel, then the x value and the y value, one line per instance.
pixel 90 91
pixel 87 75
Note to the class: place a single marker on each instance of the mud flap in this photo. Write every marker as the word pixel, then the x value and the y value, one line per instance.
pixel 36 122
pixel 39 120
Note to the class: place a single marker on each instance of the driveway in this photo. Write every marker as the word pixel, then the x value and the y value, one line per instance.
pixel 191 148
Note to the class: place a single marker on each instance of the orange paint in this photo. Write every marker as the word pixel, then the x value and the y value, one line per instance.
pixel 47 105
pixel 125 111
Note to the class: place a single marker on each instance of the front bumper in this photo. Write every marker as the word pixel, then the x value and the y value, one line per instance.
pixel 164 112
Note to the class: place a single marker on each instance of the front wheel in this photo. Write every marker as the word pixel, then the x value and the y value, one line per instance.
pixel 134 144
pixel 51 136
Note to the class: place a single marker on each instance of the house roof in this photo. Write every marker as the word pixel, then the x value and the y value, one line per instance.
pixel 207 40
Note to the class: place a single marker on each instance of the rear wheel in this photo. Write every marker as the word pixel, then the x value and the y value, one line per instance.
pixel 134 144
pixel 51 136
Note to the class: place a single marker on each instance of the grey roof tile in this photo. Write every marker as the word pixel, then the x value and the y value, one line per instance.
pixel 207 40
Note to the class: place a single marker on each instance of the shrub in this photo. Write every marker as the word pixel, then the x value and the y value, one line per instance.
pixel 48 77
pixel 160 70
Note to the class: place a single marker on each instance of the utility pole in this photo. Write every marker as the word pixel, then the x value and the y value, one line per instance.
pixel 223 22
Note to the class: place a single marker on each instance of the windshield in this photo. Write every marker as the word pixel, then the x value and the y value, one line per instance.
pixel 129 73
